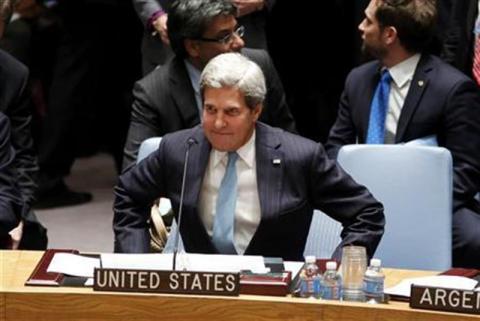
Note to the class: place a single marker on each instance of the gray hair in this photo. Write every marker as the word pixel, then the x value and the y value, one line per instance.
pixel 235 70
pixel 188 19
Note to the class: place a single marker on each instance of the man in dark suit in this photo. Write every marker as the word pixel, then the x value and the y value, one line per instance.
pixel 16 105
pixel 168 98
pixel 11 202
pixel 154 14
pixel 279 178
pixel 424 97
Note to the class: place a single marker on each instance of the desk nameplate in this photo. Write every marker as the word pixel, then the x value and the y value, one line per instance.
pixel 177 282
pixel 443 299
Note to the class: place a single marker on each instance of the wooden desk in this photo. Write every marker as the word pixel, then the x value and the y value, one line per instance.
pixel 19 303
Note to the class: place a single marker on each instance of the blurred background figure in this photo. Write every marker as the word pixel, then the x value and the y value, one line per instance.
pixel 252 14
pixel 19 166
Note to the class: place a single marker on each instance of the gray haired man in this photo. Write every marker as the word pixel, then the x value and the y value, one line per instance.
pixel 250 188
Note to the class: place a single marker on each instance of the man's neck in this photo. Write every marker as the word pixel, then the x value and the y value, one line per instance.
pixel 195 63
pixel 395 57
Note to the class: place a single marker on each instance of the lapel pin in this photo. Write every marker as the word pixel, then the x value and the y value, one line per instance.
pixel 421 83
pixel 276 161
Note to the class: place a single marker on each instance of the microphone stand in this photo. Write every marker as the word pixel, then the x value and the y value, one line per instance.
pixel 180 210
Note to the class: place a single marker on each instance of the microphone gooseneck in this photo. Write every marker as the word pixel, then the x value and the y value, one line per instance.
pixel 188 144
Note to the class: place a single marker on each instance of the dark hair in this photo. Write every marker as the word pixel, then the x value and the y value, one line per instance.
pixel 188 19
pixel 414 21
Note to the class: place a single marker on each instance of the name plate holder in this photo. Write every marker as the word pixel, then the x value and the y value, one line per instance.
pixel 443 299
pixel 174 282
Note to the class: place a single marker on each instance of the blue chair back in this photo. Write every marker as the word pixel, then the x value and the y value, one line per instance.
pixel 414 183
pixel 147 147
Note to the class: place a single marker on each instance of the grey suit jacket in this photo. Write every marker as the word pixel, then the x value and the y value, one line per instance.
pixel 305 179
pixel 441 101
pixel 164 102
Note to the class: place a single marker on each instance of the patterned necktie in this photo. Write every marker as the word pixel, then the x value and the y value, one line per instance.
pixel 223 224
pixel 476 60
pixel 378 110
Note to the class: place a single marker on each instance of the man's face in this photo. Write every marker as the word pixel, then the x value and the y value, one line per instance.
pixel 372 33
pixel 228 123
pixel 220 27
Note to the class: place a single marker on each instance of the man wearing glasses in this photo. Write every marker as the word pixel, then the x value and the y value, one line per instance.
pixel 168 99
pixel 409 95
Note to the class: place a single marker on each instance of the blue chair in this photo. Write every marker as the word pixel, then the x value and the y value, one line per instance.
pixel 323 237
pixel 147 147
pixel 414 183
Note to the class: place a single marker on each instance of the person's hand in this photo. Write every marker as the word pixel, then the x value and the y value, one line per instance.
pixel 245 7
pixel 160 25
pixel 16 236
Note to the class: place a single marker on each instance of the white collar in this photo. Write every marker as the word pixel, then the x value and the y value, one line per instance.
pixel 246 152
pixel 403 72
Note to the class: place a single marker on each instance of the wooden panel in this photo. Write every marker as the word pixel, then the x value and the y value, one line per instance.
pixel 63 303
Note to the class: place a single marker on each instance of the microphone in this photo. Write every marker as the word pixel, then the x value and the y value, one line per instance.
pixel 188 144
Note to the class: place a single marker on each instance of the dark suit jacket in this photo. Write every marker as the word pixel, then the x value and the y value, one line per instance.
pixel 441 101
pixel 458 42
pixel 15 103
pixel 165 102
pixel 288 193
pixel 11 203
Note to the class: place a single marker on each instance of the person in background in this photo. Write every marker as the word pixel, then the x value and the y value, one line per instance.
pixel 11 201
pixel 15 103
pixel 250 188
pixel 252 14
pixel 407 95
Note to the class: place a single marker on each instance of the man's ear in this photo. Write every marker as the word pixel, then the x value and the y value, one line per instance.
pixel 390 35
pixel 257 111
pixel 191 46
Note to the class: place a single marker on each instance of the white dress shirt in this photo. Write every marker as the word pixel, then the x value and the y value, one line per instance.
pixel 247 210
pixel 402 75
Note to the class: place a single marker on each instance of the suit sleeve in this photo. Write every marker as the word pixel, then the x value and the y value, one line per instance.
pixel 145 9
pixel 462 132
pixel 336 194
pixel 11 202
pixel 134 195
pixel 144 123
pixel 20 115
pixel 276 112
pixel 343 131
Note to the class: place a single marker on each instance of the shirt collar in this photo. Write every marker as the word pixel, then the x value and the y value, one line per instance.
pixel 403 72
pixel 246 153
pixel 194 75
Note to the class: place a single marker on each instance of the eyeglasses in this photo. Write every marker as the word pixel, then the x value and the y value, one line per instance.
pixel 239 31
pixel 395 3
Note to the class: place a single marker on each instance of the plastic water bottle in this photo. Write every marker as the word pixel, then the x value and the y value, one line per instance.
pixel 332 283
pixel 373 282
pixel 308 276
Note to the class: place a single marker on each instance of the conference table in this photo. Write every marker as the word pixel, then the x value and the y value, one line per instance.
pixel 19 302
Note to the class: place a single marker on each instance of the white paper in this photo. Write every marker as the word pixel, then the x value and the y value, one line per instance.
pixel 73 264
pixel 185 261
pixel 293 267
pixel 443 281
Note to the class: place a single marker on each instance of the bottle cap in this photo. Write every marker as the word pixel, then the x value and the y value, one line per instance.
pixel 331 265
pixel 310 259
pixel 375 262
